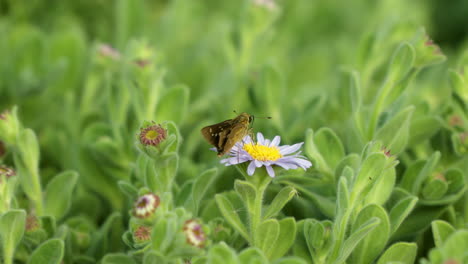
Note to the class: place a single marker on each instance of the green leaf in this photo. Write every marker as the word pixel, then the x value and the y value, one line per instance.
pixel 285 239
pixel 353 240
pixel 27 162
pixel 117 258
pixel 349 97
pixel 459 85
pixel 175 96
pixel 418 172
pixel 401 252
pixel 342 196
pixel 164 233
pixel 395 133
pixel 59 192
pixel 434 189
pixel 400 211
pixel 373 244
pixel 129 190
pixel 12 224
pixel 314 233
pixel 312 151
pixel 222 253
pixel 152 257
pixel 247 192
pixel 382 188
pixel 267 235
pixel 455 246
pixel 252 255
pixel 371 169
pixel 441 230
pixel 231 216
pixel 280 200
pixel 422 129
pixel 402 62
pixel 329 146
pixel 419 220
pixel 202 184
pixel 49 252
pixel 290 260
pixel 352 160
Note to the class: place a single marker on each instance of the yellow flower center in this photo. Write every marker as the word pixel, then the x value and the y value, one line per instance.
pixel 152 135
pixel 262 153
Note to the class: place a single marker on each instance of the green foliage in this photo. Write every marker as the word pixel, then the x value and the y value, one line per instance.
pixel 86 177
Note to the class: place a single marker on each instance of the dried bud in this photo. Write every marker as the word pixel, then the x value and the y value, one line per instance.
pixel 32 223
pixel 142 234
pixel 146 205
pixel 109 52
pixel 194 233
pixel 152 135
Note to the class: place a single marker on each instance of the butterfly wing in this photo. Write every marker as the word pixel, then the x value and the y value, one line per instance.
pixel 217 134
pixel 236 134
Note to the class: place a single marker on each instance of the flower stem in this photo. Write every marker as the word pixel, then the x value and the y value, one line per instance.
pixel 260 181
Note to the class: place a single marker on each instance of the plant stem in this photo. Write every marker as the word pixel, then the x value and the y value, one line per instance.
pixel 260 181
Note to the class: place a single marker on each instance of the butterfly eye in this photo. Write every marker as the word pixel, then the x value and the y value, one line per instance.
pixel 251 119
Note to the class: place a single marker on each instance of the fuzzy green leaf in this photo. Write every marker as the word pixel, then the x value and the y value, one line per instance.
pixel 441 230
pixel 373 244
pixel 395 133
pixel 247 192
pixel 285 239
pixel 400 211
pixel 49 252
pixel 401 252
pixel 280 200
pixel 201 186
pixel 267 235
pixel 129 190
pixel 12 224
pixel 58 195
pixel 419 171
pixel 222 253
pixel 252 255
pixel 402 61
pixel 371 169
pixel 117 258
pixel 230 214
pixel 353 240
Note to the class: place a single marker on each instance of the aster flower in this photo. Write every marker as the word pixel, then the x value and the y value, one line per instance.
pixel 194 233
pixel 146 205
pixel 266 153
pixel 152 135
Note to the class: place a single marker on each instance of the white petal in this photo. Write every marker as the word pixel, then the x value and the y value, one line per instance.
pixel 286 165
pixel 271 171
pixel 285 150
pixel 303 163
pixel 260 138
pixel 276 141
pixel 251 168
pixel 258 163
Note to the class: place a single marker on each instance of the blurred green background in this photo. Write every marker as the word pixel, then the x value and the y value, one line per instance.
pixel 201 59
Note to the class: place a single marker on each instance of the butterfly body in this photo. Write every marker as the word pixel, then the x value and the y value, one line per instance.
pixel 226 134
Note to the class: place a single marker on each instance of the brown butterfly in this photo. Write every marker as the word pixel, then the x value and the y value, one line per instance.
pixel 226 134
